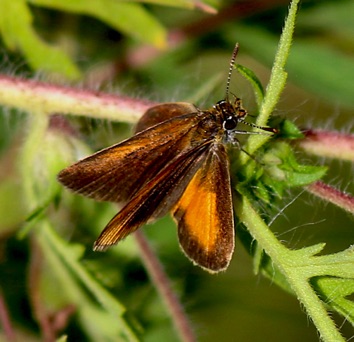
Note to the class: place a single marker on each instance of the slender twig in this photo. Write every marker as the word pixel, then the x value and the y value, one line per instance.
pixel 333 195
pixel 5 320
pixel 39 310
pixel 163 286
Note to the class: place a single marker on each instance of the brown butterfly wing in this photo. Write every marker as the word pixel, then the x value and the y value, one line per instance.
pixel 163 112
pixel 205 214
pixel 156 198
pixel 117 172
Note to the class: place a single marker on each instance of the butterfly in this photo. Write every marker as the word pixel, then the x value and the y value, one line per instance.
pixel 176 163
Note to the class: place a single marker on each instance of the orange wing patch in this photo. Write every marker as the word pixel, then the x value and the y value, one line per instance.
pixel 154 199
pixel 204 213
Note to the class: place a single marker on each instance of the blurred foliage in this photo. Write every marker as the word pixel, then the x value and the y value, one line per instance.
pixel 123 46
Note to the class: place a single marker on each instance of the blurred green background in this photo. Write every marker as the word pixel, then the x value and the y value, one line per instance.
pixel 124 50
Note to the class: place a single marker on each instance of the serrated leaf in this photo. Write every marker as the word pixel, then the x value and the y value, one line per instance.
pixel 280 172
pixel 130 18
pixel 335 292
pixel 306 174
pixel 18 33
pixel 292 173
pixel 308 252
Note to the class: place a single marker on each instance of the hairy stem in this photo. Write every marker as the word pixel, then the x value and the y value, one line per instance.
pixel 35 96
pixel 328 144
pixel 333 195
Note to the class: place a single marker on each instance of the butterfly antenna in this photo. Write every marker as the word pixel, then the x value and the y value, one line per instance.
pixel 263 128
pixel 232 64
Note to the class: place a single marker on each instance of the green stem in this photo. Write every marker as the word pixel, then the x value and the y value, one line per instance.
pixel 314 307
pixel 276 83
pixel 289 263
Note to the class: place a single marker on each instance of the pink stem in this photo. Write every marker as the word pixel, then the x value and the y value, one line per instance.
pixel 333 195
pixel 328 144
pixel 5 320
pixel 33 95
pixel 163 286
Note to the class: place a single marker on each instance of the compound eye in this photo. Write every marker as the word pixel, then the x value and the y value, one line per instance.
pixel 230 124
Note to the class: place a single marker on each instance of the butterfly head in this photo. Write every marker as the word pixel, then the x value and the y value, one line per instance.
pixel 231 113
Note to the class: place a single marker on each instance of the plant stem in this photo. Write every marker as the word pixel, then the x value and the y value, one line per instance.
pixel 35 96
pixel 333 195
pixel 321 143
pixel 276 82
pixel 5 321
pixel 163 286
pixel 287 262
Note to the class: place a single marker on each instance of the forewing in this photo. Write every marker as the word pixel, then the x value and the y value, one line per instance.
pixel 205 215
pixel 117 172
pixel 163 112
pixel 156 197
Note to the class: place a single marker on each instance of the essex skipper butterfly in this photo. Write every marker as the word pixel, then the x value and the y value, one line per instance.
pixel 176 162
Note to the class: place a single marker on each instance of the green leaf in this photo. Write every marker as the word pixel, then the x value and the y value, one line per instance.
pixel 130 18
pixel 18 33
pixel 189 4
pixel 254 81
pixel 287 129
pixel 279 172
pixel 288 170
pixel 332 74
pixel 331 17
pixel 335 292
pixel 103 322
